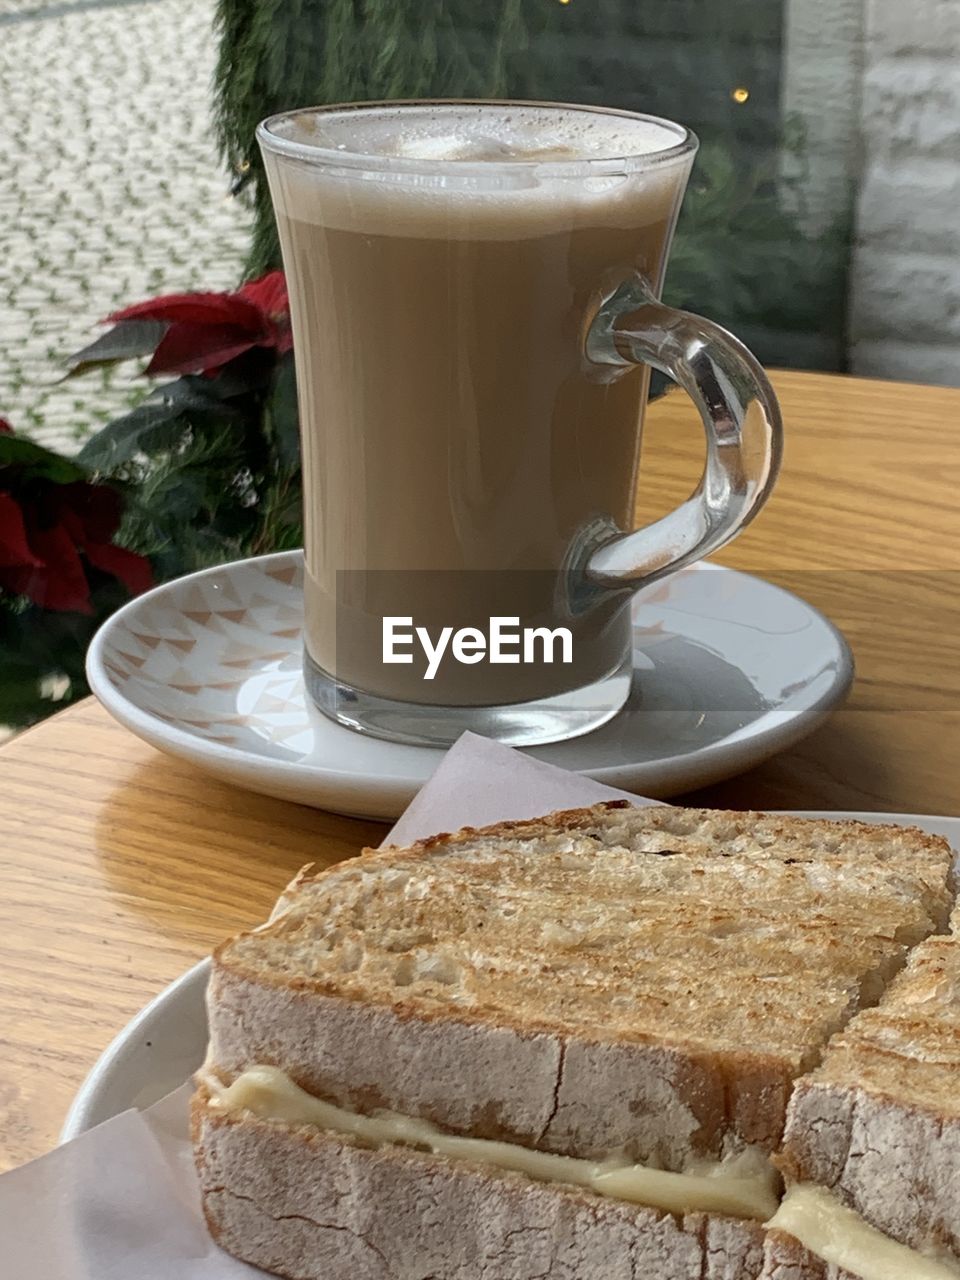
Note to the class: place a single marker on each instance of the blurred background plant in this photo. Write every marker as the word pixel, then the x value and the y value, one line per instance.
pixel 63 570
pixel 742 253
pixel 213 457
pixel 204 469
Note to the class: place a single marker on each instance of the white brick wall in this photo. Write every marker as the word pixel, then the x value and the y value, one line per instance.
pixel 905 295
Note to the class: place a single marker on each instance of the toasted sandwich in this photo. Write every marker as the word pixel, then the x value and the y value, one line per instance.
pixel 871 1153
pixel 564 1047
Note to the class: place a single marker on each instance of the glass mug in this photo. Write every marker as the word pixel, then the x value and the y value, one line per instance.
pixel 474 291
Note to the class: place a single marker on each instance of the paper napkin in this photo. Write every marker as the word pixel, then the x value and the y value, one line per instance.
pixel 121 1202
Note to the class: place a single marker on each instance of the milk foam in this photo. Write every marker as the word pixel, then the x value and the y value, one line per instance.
pixel 443 132
pixel 527 190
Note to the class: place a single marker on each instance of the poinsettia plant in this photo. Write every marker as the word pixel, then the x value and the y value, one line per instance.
pixel 205 469
pixel 212 456
pixel 201 332
pixel 62 571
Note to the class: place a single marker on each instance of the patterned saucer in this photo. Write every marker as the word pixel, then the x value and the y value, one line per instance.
pixel 729 670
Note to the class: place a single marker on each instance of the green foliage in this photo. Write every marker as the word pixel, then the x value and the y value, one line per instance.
pixel 159 423
pixel 279 54
pixel 740 254
pixel 214 474
pixel 21 454
pixel 210 465
pixel 42 653
pixel 42 649
pixel 210 471
pixel 784 282
pixel 122 342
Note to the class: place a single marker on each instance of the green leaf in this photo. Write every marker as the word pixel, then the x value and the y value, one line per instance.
pixel 282 415
pixel 247 374
pixel 153 425
pixel 125 341
pixel 42 464
pixel 180 496
pixel 193 393
pixel 21 702
pixel 161 422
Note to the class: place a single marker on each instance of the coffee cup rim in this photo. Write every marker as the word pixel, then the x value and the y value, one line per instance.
pixel 685 146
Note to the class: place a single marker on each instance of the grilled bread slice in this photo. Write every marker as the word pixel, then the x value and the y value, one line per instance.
pixel 314 1205
pixel 878 1123
pixel 647 981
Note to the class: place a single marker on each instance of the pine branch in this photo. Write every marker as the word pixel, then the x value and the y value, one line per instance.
pixel 276 55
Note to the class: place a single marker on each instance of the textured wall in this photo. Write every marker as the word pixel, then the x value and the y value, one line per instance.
pixel 905 302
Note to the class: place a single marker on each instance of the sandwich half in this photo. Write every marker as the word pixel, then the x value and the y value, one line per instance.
pixel 563 1047
pixel 871 1153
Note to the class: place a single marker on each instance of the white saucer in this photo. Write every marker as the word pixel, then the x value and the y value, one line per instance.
pixel 729 671
pixel 166 1042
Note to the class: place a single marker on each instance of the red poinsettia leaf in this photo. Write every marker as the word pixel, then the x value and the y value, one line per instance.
pixel 5 428
pixel 59 583
pixel 14 547
pixel 195 308
pixel 191 349
pixel 268 294
pixel 132 570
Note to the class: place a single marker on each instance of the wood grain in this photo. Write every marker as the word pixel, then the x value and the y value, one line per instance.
pixel 121 867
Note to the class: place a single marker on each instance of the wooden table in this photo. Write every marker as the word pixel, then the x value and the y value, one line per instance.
pixel 120 867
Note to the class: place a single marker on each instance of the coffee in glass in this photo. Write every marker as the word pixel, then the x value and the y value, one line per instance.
pixel 474 295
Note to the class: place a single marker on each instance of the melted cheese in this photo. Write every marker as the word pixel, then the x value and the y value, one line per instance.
pixel 826 1227
pixel 743 1186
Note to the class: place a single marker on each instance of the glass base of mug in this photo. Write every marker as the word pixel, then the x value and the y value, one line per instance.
pixel 518 724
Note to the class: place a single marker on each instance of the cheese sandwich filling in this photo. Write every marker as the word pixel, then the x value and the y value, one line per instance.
pixel 743 1186
pixel 838 1235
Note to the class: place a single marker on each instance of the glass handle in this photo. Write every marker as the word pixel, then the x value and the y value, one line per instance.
pixel 740 416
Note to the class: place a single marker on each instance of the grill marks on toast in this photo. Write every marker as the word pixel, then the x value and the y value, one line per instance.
pixel 909 1048
pixel 688 927
pixel 527 982
pixel 878 1123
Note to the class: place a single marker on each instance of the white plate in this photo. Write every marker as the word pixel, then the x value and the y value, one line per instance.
pixel 166 1042
pixel 730 670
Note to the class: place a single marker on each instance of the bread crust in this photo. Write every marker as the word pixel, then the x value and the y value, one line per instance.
pixel 879 1122
pixel 309 1205
pixel 775 826
pixel 654 1102
pixel 537 1083
pixel 784 1258
pixel 896 1163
